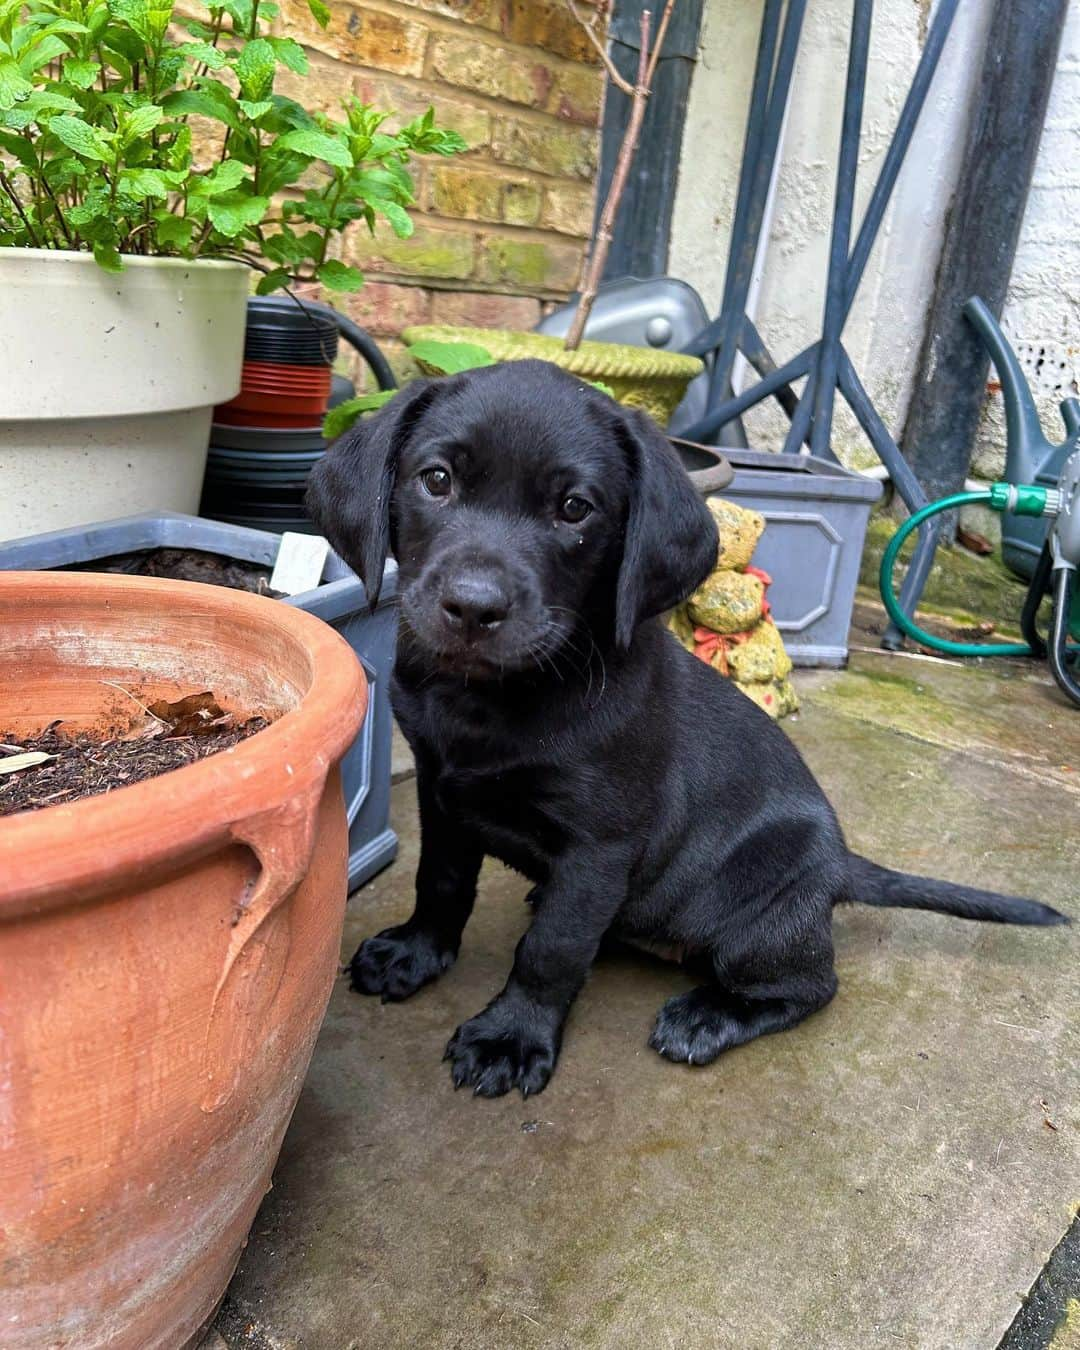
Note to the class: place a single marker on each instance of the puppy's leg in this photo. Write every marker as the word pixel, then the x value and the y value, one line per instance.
pixel 400 960
pixel 515 1041
pixel 760 987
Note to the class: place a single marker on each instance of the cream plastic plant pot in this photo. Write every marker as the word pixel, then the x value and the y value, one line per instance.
pixel 108 382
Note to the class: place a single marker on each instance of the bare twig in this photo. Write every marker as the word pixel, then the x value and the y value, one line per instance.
pixel 600 245
pixel 661 34
pixel 599 41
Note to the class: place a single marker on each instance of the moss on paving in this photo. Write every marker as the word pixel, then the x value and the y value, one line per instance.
pixel 960 583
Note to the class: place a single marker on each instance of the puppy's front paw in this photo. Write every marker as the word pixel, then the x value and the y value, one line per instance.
pixel 397 962
pixel 509 1045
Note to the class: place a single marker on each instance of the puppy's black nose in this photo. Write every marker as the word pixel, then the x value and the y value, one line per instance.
pixel 474 605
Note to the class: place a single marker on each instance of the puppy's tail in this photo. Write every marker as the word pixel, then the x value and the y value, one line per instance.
pixel 874 885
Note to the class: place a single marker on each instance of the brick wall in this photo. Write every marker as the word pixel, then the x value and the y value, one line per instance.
pixel 499 230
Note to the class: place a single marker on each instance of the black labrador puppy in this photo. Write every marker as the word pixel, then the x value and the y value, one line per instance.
pixel 539 530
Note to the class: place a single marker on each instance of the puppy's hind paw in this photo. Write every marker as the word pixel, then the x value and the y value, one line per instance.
pixel 397 963
pixel 693 1029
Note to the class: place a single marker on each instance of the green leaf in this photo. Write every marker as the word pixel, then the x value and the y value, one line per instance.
pixel 19 147
pixel 255 110
pixel 97 22
pixel 399 219
pixel 82 74
pixel 255 68
pixel 273 281
pixel 240 11
pixel 48 24
pixel 224 177
pixel 234 213
pixel 41 53
pixel 319 12
pixel 317 145
pixel 174 231
pixel 604 388
pixel 289 52
pixel 79 136
pixel 284 247
pixel 204 54
pixel 148 18
pixel 387 183
pixel 141 122
pixel 143 183
pixel 449 358
pixel 291 114
pixel 127 46
pixel 14 86
pixel 338 420
pixel 48 100
pixel 339 276
pixel 107 258
pixel 212 101
pixel 60 173
pixel 93 205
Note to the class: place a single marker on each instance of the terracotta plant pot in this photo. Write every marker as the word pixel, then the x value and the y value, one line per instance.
pixel 167 951
pixel 641 377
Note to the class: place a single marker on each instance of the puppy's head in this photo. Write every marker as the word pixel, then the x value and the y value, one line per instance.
pixel 521 505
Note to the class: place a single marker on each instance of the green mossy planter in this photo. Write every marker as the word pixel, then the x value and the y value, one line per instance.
pixel 639 377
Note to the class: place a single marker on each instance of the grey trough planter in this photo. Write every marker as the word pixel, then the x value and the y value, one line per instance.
pixel 340 600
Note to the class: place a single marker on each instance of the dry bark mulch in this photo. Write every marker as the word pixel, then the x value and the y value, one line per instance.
pixel 71 767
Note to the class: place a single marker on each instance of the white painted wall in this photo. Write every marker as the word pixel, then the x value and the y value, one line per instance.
pixel 886 326
pixel 1042 308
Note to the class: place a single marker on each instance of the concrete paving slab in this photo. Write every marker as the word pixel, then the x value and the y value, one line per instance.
pixel 894 1172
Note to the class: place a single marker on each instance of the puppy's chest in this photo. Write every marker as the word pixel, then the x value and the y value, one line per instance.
pixel 509 810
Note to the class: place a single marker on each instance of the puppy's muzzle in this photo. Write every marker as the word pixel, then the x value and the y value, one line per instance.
pixel 474 605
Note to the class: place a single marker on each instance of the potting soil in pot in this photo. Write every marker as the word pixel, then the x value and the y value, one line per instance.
pixel 184 564
pixel 55 768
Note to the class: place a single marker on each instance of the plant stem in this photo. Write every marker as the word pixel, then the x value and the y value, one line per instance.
pixel 56 208
pixel 6 185
pixel 340 184
pixel 600 246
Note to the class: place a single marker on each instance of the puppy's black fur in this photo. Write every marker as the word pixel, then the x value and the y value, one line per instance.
pixel 539 531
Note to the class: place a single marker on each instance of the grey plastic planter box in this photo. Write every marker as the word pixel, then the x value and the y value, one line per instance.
pixel 816 514
pixel 340 600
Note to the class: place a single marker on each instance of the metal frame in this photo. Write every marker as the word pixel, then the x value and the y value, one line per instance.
pixel 825 363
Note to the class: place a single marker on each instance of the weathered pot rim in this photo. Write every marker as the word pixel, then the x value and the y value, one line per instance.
pixel 617 359
pixel 54 857
pixel 133 260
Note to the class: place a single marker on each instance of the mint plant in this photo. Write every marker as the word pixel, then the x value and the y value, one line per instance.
pixel 98 100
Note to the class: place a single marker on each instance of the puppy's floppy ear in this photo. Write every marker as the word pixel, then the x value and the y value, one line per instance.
pixel 671 538
pixel 349 490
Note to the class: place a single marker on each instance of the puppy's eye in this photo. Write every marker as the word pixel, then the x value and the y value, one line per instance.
pixel 574 509
pixel 436 482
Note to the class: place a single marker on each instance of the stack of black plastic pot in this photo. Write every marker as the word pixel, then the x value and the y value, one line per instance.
pixel 265 442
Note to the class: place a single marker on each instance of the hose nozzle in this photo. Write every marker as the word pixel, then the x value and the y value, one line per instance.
pixel 1025 499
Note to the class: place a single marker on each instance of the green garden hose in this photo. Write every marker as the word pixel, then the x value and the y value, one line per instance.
pixel 1024 501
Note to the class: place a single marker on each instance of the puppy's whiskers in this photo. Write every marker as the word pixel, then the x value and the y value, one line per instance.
pixel 587 657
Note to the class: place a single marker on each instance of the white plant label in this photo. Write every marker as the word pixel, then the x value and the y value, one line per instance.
pixel 300 562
